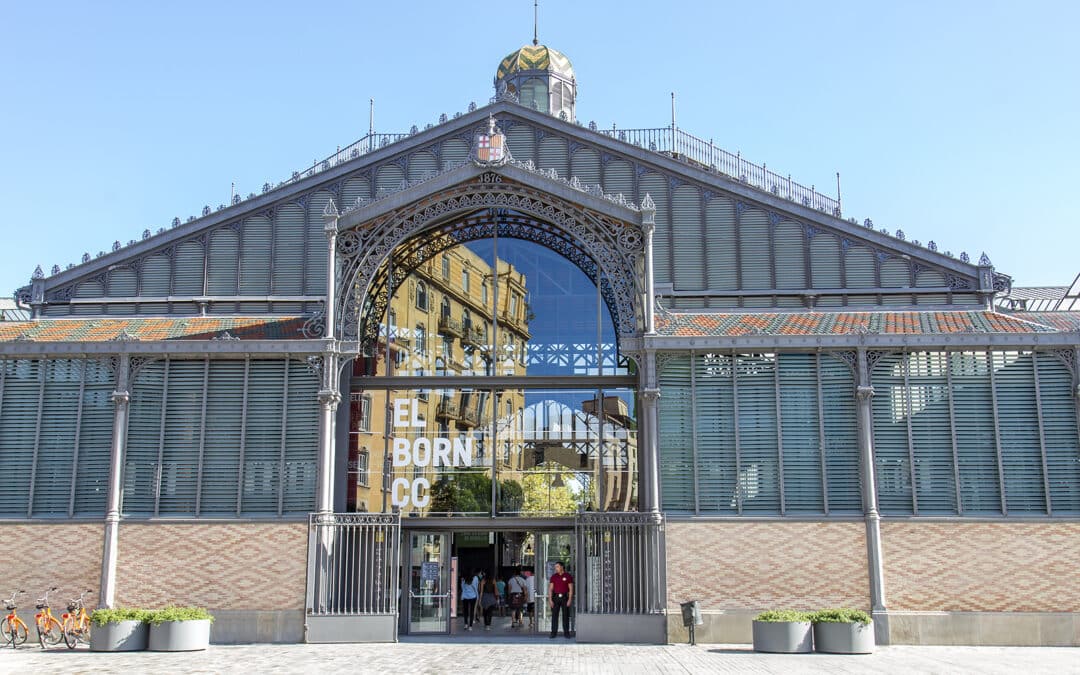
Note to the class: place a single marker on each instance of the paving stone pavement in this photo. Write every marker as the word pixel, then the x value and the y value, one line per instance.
pixel 535 656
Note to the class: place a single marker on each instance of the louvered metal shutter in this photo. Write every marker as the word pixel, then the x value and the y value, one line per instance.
pixel 1059 430
pixel 388 178
pixel 56 437
pixel 585 164
pixel 183 437
pixel 896 273
pixel 931 432
pixel 790 256
pixel 892 461
pixel 976 442
pixel 755 256
pixel 675 413
pixel 146 429
pixel 255 261
pixel 223 261
pixel 656 185
pixel 686 232
pixel 454 151
pixel 715 412
pixel 859 273
pixel 221 450
pixel 758 460
pixel 156 283
pixel 95 440
pixel 315 241
pixel 88 289
pixel 421 165
pixel 799 416
pixel 553 155
pixel 188 279
pixel 619 178
pixel 521 139
pixel 358 187
pixel 263 438
pixel 930 279
pixel 720 244
pixel 1019 429
pixel 825 266
pixel 287 272
pixel 123 283
pixel 839 429
pixel 301 441
pixel 20 384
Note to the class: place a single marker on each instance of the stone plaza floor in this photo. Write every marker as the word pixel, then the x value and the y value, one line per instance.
pixel 476 655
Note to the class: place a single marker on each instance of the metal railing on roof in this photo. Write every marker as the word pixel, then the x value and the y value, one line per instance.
pixel 367 144
pixel 693 150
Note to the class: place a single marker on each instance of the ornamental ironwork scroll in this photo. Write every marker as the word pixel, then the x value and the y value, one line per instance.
pixel 599 245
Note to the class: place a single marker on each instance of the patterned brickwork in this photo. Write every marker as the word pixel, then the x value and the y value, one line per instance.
pixel 241 566
pixel 993 567
pixel 767 565
pixel 40 556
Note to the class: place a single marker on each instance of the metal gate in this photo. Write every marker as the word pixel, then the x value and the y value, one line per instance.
pixel 621 563
pixel 353 577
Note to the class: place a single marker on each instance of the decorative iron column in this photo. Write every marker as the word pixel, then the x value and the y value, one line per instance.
pixel 329 398
pixel 330 220
pixel 650 482
pixel 121 398
pixel 648 227
pixel 864 393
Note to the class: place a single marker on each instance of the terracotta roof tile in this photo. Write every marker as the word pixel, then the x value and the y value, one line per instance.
pixel 171 328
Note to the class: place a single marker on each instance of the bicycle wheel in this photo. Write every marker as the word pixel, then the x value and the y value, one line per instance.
pixel 7 632
pixel 18 634
pixel 51 634
pixel 71 637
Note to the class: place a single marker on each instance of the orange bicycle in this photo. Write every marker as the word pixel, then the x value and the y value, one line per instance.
pixel 76 622
pixel 49 630
pixel 12 626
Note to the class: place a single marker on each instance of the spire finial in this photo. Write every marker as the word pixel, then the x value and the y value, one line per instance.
pixel 536 21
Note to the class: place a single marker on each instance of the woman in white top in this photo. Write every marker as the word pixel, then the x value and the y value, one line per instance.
pixel 518 593
pixel 470 589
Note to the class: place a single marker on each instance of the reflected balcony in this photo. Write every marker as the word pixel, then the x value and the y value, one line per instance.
pixel 449 326
pixel 469 418
pixel 448 410
pixel 473 335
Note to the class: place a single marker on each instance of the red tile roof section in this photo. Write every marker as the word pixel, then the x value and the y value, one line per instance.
pixel 169 328
pixel 701 324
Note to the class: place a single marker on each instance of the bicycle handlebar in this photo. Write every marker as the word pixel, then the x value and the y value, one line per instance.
pixel 14 594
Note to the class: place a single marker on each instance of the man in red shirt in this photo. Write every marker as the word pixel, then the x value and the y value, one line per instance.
pixel 560 597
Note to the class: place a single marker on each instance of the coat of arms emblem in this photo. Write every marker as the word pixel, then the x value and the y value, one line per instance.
pixel 490 149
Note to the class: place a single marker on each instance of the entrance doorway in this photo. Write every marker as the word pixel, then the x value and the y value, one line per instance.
pixel 436 563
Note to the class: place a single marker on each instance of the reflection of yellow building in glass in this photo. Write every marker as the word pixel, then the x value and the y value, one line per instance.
pixel 452 317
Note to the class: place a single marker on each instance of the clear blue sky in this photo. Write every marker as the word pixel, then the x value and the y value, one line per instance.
pixel 955 121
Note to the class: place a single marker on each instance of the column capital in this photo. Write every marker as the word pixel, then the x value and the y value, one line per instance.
pixel 864 392
pixel 120 397
pixel 329 397
pixel 650 395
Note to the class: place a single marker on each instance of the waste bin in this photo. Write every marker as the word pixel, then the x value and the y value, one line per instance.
pixel 691 613
pixel 691 617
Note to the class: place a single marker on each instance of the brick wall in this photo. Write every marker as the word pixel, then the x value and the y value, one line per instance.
pixel 227 566
pixel 40 556
pixel 1013 567
pixel 767 565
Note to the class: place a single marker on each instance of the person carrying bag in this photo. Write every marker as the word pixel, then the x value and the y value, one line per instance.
pixel 518 590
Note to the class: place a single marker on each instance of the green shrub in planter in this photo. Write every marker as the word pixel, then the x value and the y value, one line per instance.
pixel 103 617
pixel 180 629
pixel 119 630
pixel 160 616
pixel 843 631
pixel 783 632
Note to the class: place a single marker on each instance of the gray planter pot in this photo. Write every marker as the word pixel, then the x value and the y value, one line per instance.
pixel 180 636
pixel 122 636
pixel 782 637
pixel 844 638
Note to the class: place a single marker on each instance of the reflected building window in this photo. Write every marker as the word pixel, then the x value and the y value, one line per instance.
pixel 445 308
pixel 446 267
pixel 465 281
pixel 421 339
pixel 421 296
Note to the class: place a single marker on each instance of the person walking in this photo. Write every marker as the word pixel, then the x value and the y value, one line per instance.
pixel 469 591
pixel 488 598
pixel 560 599
pixel 518 591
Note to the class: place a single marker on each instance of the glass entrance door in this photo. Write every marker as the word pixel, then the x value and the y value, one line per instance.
pixel 429 583
pixel 553 547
